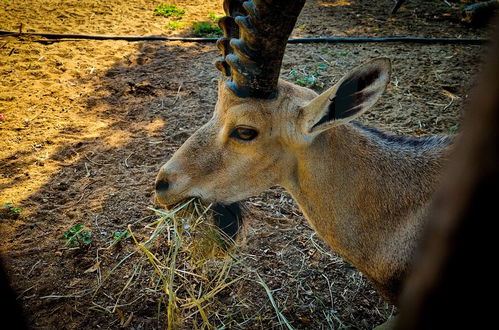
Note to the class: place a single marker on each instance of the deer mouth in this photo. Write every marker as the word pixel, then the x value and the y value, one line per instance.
pixel 227 217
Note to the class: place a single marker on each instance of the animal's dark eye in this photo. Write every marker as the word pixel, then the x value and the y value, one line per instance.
pixel 244 133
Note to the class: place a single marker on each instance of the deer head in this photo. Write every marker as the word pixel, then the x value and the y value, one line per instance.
pixel 261 125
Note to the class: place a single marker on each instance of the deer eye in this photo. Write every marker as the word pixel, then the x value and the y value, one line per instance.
pixel 244 133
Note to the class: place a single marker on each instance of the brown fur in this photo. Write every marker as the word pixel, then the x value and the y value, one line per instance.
pixel 362 190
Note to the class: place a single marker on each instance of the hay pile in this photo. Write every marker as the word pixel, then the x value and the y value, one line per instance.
pixel 181 262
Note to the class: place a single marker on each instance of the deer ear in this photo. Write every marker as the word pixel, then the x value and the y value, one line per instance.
pixel 355 93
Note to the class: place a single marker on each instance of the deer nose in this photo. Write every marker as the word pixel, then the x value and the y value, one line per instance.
pixel 162 185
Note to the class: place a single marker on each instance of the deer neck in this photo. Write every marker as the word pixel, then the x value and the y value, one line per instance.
pixel 365 196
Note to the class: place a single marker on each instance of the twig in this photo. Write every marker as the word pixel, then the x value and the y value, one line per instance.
pixel 100 164
pixel 22 293
pixel 33 267
pixel 79 294
pixel 178 93
pixel 280 316
pixel 88 172
pixel 137 270
pixel 330 292
pixel 111 272
pixel 126 159
pixel 79 200
pixel 322 58
pixel 448 105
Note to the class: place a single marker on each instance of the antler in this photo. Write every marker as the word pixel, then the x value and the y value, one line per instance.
pixel 255 37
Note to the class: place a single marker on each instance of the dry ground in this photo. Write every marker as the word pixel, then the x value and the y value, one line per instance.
pixel 87 124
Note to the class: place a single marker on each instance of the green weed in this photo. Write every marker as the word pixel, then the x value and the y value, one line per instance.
pixel 14 211
pixel 214 17
pixel 308 79
pixel 120 236
pixel 303 79
pixel 75 235
pixel 168 10
pixel 175 25
pixel 206 29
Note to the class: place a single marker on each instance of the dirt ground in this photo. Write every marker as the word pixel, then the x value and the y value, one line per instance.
pixel 86 125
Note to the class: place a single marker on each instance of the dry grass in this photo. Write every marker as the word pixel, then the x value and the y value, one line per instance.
pixel 187 263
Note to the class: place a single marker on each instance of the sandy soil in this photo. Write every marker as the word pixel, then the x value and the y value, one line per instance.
pixel 87 124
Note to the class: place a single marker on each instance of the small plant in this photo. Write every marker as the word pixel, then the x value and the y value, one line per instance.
pixel 75 235
pixel 13 210
pixel 214 17
pixel 303 79
pixel 306 81
pixel 168 10
pixel 206 29
pixel 120 236
pixel 341 52
pixel 175 25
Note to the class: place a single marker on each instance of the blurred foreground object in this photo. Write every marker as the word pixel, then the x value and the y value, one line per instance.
pixel 451 286
pixel 11 313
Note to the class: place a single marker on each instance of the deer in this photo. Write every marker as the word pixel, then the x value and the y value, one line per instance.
pixel 365 192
